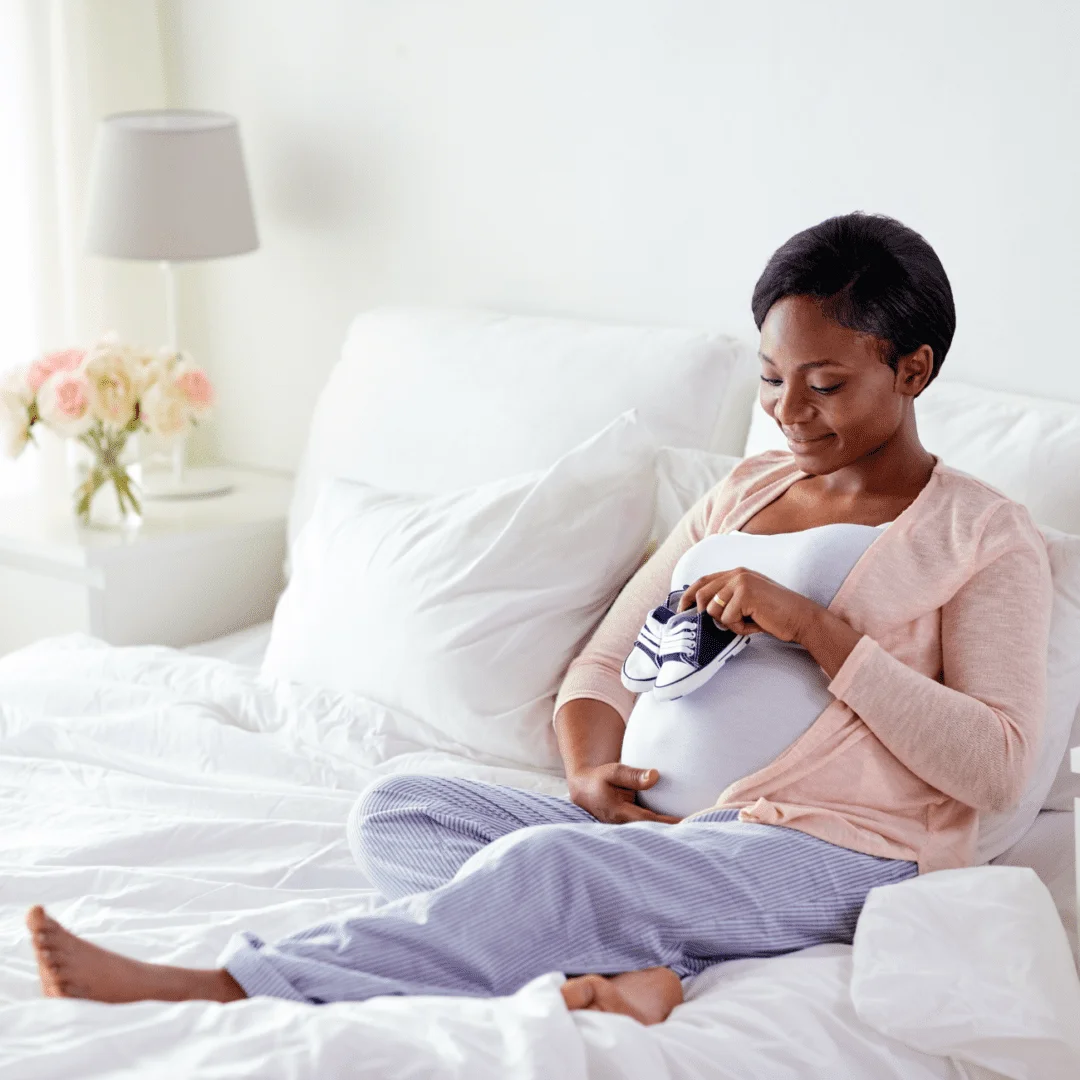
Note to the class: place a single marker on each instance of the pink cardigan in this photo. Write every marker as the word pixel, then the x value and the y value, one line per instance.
pixel 938 709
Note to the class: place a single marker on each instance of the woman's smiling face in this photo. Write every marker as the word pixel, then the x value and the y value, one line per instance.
pixel 828 388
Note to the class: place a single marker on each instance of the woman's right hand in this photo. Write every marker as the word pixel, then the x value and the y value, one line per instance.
pixel 607 792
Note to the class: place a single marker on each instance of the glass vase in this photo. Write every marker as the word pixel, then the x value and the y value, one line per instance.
pixel 107 492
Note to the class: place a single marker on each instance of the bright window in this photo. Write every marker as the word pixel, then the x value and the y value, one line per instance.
pixel 18 301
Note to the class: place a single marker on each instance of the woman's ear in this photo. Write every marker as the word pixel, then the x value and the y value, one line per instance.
pixel 913 371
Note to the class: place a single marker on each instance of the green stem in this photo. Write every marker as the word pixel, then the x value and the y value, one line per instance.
pixel 107 448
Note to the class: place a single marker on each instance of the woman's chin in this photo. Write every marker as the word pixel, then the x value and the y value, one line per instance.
pixel 814 457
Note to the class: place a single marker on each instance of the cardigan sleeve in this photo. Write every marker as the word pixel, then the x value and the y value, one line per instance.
pixel 974 735
pixel 596 671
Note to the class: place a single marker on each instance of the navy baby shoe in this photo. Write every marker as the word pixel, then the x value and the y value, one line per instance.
pixel 641 667
pixel 693 648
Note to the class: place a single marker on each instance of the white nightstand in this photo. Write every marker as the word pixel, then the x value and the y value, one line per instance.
pixel 194 570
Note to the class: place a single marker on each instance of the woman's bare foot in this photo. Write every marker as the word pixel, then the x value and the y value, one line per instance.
pixel 71 967
pixel 648 995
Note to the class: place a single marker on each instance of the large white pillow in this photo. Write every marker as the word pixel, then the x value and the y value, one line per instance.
pixel 682 477
pixel 464 609
pixel 685 475
pixel 437 400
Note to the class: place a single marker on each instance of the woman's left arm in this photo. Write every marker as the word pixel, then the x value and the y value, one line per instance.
pixel 973 735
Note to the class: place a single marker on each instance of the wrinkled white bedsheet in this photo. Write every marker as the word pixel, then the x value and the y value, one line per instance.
pixel 158 802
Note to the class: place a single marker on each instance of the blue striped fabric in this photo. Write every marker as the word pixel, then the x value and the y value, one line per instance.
pixel 491 886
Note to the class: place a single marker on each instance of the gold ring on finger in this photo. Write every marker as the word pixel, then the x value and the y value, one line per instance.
pixel 718 602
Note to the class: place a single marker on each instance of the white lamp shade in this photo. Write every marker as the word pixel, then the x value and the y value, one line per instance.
pixel 169 184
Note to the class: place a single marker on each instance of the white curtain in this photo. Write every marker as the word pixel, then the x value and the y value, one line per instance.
pixel 63 65
pixel 18 296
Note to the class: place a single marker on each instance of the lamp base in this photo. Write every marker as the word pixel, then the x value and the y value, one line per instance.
pixel 202 483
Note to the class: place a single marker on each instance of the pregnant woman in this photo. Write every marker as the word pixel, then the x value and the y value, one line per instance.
pixel 892 689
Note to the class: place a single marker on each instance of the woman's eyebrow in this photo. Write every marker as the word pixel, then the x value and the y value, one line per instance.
pixel 802 367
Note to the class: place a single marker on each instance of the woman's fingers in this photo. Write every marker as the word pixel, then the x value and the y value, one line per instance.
pixel 718 602
pixel 633 812
pixel 698 592
pixel 720 584
pixel 625 776
pixel 726 607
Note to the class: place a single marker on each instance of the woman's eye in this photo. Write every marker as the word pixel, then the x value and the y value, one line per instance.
pixel 823 390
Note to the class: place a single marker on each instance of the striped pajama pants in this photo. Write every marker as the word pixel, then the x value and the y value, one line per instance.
pixel 491 886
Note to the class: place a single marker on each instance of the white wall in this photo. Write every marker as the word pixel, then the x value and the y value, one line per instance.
pixel 623 159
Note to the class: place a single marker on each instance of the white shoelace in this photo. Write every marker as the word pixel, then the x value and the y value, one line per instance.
pixel 681 641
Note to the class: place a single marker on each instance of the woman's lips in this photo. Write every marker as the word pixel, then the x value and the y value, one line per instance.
pixel 802 442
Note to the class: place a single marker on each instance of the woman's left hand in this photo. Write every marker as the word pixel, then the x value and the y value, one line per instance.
pixel 748 602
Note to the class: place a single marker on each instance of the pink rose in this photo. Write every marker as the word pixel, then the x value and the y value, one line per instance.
pixel 72 400
pixel 195 385
pixel 50 363
pixel 64 403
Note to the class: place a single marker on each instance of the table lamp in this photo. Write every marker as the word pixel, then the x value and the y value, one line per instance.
pixel 169 185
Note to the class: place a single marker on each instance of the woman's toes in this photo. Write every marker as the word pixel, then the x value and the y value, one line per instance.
pixel 579 993
pixel 48 938
pixel 596 992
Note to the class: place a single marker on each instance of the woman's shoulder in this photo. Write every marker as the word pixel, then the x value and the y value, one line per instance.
pixel 749 476
pixel 756 472
pixel 980 509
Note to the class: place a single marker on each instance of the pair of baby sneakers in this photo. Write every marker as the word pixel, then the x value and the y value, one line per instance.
pixel 676 653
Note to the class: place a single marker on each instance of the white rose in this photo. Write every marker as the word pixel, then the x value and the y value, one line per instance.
pixel 164 410
pixel 15 401
pixel 113 377
pixel 147 369
pixel 64 403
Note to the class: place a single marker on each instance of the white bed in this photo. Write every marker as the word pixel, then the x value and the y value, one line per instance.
pixel 1048 847
pixel 160 800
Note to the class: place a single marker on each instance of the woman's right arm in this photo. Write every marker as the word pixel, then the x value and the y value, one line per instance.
pixel 590 735
pixel 592 705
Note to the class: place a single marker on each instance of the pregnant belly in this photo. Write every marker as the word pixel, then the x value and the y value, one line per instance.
pixel 748 713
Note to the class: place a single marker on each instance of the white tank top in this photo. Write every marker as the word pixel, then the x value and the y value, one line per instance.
pixel 760 702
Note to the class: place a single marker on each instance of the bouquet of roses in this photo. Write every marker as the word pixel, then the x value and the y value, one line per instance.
pixel 101 396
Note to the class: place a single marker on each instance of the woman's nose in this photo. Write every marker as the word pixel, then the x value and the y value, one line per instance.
pixel 791 406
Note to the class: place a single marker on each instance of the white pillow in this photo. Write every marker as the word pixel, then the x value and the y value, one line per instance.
pixel 465 609
pixel 1066 786
pixel 998 832
pixel 1064 551
pixel 430 399
pixel 973 965
pixel 685 475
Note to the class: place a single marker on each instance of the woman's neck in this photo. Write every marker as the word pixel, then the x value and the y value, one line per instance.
pixel 901 466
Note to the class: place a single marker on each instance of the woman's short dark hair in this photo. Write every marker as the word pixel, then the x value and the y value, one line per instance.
pixel 872 274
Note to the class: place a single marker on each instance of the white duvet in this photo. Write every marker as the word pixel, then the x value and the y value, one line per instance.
pixel 158 802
